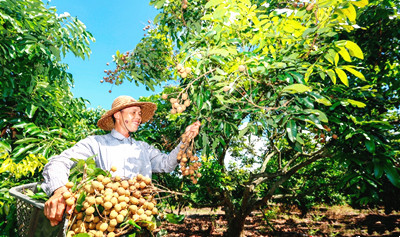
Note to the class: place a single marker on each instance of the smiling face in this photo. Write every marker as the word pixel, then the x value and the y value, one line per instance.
pixel 128 120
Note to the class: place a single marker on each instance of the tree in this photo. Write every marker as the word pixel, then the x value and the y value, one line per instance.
pixel 39 116
pixel 288 72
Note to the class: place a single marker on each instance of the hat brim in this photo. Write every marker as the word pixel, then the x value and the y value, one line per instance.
pixel 106 122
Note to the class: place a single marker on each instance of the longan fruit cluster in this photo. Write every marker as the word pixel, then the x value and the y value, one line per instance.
pixel 122 64
pixel 188 160
pixel 109 204
pixel 183 72
pixel 321 134
pixel 178 104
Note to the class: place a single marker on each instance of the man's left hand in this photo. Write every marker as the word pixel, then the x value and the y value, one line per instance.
pixel 193 129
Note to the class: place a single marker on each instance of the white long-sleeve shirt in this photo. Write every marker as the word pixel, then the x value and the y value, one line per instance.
pixel 131 158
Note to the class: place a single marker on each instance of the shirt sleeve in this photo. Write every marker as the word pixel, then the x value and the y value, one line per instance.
pixel 161 162
pixel 56 171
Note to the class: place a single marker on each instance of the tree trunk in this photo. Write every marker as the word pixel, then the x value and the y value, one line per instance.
pixel 236 226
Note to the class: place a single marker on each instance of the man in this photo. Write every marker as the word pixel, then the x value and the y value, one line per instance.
pixel 114 149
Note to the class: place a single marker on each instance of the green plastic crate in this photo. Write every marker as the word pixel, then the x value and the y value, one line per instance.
pixel 31 220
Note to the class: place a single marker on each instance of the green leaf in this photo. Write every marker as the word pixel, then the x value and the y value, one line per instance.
pixel 392 174
pixel 5 146
pixel 354 49
pixel 321 115
pixel 324 101
pixel 342 75
pixel 30 110
pixel 345 55
pixel 296 88
pixel 378 168
pixel 82 235
pixel 354 72
pixel 332 75
pixel 174 218
pixel 356 103
pixel 243 131
pixel 291 129
pixel 370 145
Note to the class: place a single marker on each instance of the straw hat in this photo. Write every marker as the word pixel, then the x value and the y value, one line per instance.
pixel 121 102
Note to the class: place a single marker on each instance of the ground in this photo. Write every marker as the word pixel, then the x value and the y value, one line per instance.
pixel 321 221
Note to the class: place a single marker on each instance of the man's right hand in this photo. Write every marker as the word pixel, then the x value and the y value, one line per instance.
pixel 54 207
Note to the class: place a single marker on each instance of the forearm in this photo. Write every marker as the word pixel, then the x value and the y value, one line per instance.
pixel 165 163
pixel 56 173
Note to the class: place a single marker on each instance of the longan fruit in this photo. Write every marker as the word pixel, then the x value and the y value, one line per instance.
pixel 123 205
pixel 179 66
pixel 100 177
pixel 113 168
pixel 113 214
pixel 103 227
pixel 134 200
pixel 85 205
pixel 124 212
pixel 139 177
pixel 113 222
pixel 133 208
pixel 95 184
pixel 164 96
pixel 148 212
pixel 117 207
pixel 96 219
pixel 140 211
pixel 135 217
pixel 90 200
pixel 69 184
pixel 173 100
pixel 89 211
pixel 92 225
pixel 70 233
pixel 154 211
pixel 125 184
pixel 108 205
pixel 143 217
pixel 89 188
pixel 121 191
pixel 106 180
pixel 142 185
pixel 111 233
pixel 99 200
pixel 79 216
pixel 120 218
pixel 66 195
pixel 141 201
pixel 89 218
pixel 186 103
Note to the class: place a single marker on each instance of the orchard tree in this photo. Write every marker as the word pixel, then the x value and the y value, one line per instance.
pixel 287 72
pixel 35 85
pixel 39 116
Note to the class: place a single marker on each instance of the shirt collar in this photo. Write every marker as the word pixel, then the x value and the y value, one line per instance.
pixel 117 135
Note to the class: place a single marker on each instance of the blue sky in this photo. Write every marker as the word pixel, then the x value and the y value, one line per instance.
pixel 116 25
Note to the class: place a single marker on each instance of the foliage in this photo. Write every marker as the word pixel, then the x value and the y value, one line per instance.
pixel 295 75
pixel 39 115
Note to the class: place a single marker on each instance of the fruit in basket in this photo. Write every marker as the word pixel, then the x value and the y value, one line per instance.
pixel 110 206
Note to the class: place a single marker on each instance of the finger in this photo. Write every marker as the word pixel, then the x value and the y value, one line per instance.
pixel 60 209
pixel 70 209
pixel 46 208
pixel 53 222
